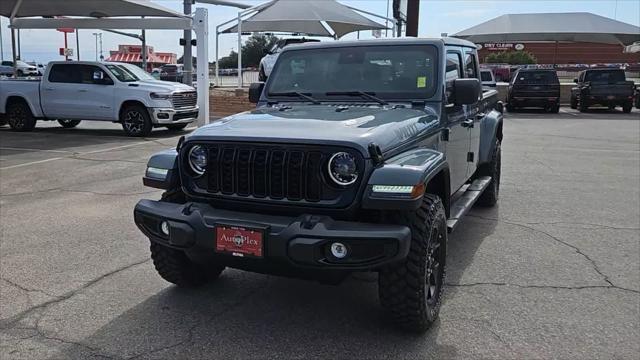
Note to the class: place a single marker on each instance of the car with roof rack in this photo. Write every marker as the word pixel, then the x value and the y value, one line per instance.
pixel 360 156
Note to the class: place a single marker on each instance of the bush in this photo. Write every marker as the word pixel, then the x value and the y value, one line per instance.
pixel 511 57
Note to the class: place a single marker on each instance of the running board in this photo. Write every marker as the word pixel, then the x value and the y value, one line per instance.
pixel 464 203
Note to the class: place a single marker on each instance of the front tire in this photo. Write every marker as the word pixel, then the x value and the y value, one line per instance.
pixel 574 103
pixel 136 121
pixel 175 267
pixel 582 106
pixel 20 118
pixel 490 195
pixel 69 124
pixel 411 291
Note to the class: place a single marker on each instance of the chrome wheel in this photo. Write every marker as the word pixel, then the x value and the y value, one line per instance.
pixel 134 122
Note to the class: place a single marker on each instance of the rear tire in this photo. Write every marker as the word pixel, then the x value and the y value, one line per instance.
pixel 582 107
pixel 176 127
pixel 19 117
pixel 626 108
pixel 555 109
pixel 68 124
pixel 136 121
pixel 574 103
pixel 493 168
pixel 411 291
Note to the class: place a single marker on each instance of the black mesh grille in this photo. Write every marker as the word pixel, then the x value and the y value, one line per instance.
pixel 267 172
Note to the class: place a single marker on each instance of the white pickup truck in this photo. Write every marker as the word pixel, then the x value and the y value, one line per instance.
pixel 73 91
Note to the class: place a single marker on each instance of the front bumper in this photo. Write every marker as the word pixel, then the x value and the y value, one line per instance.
pixel 170 116
pixel 301 242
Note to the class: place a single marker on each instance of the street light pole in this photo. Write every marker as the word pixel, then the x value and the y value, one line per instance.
pixel 1 44
pixel 96 36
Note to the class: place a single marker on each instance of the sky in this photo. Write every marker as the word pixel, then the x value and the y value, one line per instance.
pixel 436 17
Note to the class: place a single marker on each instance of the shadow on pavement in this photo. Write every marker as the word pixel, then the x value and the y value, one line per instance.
pixel 245 315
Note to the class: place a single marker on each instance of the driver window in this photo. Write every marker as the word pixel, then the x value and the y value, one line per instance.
pixel 453 71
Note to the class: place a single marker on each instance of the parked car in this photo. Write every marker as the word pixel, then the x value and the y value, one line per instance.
pixel 171 72
pixel 488 79
pixel 534 88
pixel 362 160
pixel 267 62
pixel 605 87
pixel 23 69
pixel 73 91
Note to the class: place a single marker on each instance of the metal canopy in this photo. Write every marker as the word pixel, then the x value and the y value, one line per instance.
pixel 96 9
pixel 578 27
pixel 311 17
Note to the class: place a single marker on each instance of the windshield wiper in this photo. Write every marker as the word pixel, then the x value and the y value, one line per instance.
pixel 368 95
pixel 298 94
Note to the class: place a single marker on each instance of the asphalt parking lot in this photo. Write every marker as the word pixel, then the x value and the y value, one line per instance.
pixel 552 272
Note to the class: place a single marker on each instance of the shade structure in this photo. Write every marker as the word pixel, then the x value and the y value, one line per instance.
pixel 311 17
pixel 87 8
pixel 577 27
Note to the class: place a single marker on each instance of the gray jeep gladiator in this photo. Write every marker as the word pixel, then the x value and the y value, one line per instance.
pixel 360 156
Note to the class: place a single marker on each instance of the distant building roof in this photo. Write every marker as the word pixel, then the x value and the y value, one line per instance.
pixel 578 26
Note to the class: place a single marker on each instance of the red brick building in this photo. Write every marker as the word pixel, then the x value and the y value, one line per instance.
pixel 133 54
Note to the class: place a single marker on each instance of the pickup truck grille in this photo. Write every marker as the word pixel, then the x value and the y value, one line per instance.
pixel 271 173
pixel 184 99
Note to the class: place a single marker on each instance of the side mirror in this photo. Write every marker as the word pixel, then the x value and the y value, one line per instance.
pixel 466 91
pixel 575 81
pixel 255 91
pixel 98 76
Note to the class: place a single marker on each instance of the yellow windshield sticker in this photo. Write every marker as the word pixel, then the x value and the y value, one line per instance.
pixel 422 81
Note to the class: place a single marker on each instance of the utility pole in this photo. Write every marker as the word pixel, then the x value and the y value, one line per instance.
pixel 1 44
pixel 187 56
pixel 144 49
pixel 413 17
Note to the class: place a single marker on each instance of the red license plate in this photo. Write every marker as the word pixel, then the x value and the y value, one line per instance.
pixel 239 241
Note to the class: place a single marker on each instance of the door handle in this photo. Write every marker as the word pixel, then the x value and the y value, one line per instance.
pixel 48 89
pixel 467 123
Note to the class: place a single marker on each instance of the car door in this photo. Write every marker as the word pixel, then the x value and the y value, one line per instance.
pixel 95 94
pixel 458 144
pixel 59 90
pixel 474 112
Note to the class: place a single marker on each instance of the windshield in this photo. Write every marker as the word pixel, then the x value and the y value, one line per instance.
pixel 388 72
pixel 137 72
pixel 121 73
pixel 536 77
pixel 610 76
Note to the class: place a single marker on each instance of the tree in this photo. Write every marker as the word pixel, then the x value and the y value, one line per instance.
pixel 255 47
pixel 230 61
pixel 511 57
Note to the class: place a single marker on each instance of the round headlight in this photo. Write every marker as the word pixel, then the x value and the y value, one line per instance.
pixel 198 159
pixel 342 169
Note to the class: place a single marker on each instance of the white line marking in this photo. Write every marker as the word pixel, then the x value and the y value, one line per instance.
pixel 74 154
pixel 30 163
pixel 29 149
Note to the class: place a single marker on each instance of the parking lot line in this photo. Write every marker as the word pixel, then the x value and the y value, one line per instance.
pixel 34 150
pixel 65 157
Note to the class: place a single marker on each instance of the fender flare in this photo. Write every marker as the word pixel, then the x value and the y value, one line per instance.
pixel 490 129
pixel 414 167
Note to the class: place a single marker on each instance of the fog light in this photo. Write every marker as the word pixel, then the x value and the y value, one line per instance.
pixel 163 116
pixel 164 226
pixel 338 250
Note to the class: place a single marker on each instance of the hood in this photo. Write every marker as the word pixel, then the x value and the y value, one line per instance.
pixel 159 86
pixel 354 126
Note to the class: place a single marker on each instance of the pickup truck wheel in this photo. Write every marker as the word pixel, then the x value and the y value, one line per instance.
pixel 626 108
pixel 136 121
pixel 554 109
pixel 68 124
pixel 574 103
pixel 490 195
pixel 411 291
pixel 582 106
pixel 20 118
pixel 176 127
pixel 175 267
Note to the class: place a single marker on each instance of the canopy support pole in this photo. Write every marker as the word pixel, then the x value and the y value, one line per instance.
pixel 77 45
pixel 217 56
pixel 14 12
pixel 239 49
pixel 201 27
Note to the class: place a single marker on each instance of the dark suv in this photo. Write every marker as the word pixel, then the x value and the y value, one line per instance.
pixel 534 88
pixel 360 156
pixel 605 87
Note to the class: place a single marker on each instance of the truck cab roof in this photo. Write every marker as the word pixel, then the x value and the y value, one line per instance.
pixel 381 42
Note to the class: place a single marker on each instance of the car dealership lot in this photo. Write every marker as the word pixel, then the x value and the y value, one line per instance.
pixel 553 271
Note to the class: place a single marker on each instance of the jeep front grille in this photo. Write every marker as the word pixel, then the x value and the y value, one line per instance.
pixel 271 173
pixel 184 99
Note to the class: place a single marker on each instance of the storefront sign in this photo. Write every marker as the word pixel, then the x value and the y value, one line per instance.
pixel 501 46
